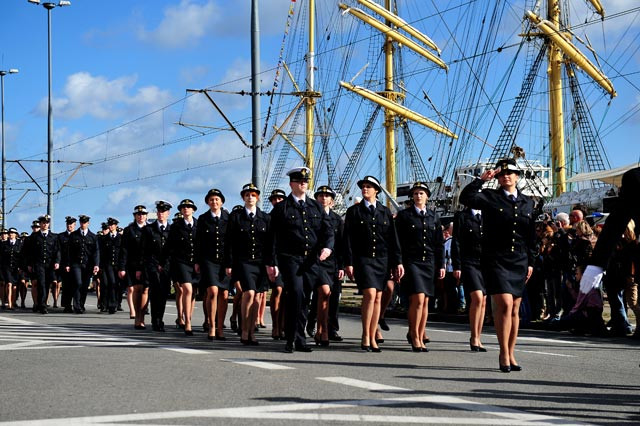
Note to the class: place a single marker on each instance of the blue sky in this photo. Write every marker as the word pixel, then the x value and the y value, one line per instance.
pixel 120 72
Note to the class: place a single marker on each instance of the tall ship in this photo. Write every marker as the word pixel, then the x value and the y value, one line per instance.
pixel 437 92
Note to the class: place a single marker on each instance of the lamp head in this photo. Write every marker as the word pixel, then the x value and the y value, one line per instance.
pixel 13 71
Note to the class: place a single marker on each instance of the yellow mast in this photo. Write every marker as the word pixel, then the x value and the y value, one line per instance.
pixel 389 115
pixel 560 50
pixel 556 128
pixel 310 93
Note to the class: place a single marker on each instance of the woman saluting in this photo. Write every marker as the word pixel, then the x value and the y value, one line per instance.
pixel 508 249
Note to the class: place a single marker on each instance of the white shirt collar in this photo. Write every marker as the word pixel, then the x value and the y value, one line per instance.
pixel 188 223
pixel 303 198
pixel 507 193
pixel 213 215
pixel 367 203
pixel 251 211
pixel 476 212
pixel 420 210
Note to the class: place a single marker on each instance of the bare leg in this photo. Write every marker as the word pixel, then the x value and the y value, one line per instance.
pixel 322 333
pixel 245 311
pixel 502 317
pixel 187 295
pixel 130 302
pixel 422 327
pixel 9 294
pixel 179 308
pixel 276 293
pixel 515 326
pixel 366 312
pixel 261 309
pixel 223 297
pixel 476 315
pixel 416 306
pixel 212 307
pixel 375 316
pixel 253 314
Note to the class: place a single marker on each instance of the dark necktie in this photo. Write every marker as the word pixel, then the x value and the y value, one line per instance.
pixel 301 202
pixel 251 214
pixel 422 213
pixel 512 198
pixel 478 217
pixel 189 226
pixel 216 220
pixel 161 228
pixel 372 209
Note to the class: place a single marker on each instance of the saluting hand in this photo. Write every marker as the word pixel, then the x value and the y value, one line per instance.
pixel 490 174
pixel 324 254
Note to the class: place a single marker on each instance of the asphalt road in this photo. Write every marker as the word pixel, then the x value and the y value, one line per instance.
pixel 96 369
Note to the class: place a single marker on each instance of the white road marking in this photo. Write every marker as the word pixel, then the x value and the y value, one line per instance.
pixel 292 412
pixel 361 384
pixel 258 364
pixel 546 353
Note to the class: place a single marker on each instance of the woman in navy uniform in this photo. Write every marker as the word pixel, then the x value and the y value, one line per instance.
pixel 327 295
pixel 466 249
pixel 422 244
pixel 109 256
pixel 508 249
pixel 244 257
pixel 277 308
pixel 372 251
pixel 212 226
pixel 10 261
pixel 130 268
pixel 180 250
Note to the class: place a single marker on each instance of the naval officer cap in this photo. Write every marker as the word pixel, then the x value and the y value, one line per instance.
pixel 13 231
pixel 187 203
pixel 24 235
pixel 214 192
pixel 277 193
pixel 84 218
pixel 104 226
pixel 140 209
pixel 420 185
pixel 508 164
pixel 237 207
pixel 299 174
pixel 250 187
pixel 35 224
pixel 177 216
pixel 45 218
pixel 69 220
pixel 371 181
pixel 325 189
pixel 112 221
pixel 4 231
pixel 163 206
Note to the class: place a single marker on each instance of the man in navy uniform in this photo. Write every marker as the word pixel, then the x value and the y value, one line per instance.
pixel 63 275
pixel 299 238
pixel 154 237
pixel 81 261
pixel 42 259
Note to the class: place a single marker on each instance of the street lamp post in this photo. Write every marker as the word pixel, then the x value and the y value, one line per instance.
pixel 4 160
pixel 49 6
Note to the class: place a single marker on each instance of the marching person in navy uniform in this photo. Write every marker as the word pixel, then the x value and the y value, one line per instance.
pixel 156 269
pixel 81 261
pixel 245 243
pixel 466 250
pixel 212 226
pixel 300 237
pixel 276 304
pixel 422 243
pixel 180 251
pixel 327 295
pixel 63 275
pixel 109 260
pixel 372 255
pixel 42 255
pixel 130 266
pixel 10 263
pixel 508 249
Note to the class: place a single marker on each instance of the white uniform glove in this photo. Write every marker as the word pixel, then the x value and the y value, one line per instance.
pixel 591 278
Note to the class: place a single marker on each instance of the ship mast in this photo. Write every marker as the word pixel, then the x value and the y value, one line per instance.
pixel 562 50
pixel 310 94
pixel 389 115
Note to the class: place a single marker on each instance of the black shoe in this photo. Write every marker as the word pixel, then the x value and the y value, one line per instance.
pixel 416 348
pixel 67 310
pixel 424 349
pixel 303 348
pixel 139 327
pixel 112 311
pixel 516 367
pixel 288 348
pixel 44 311
pixel 365 348
pixel 426 340
pixel 205 326
pixel 220 338
pixel 245 341
pixel 154 327
pixel 35 308
pixel 383 324
pixel 210 337
pixel 376 350
pixel 119 308
pixel 254 343
pixel 77 311
pixel 161 327
pixel 505 368
pixel 188 332
pixel 234 324
pixel 477 348
pixel 379 340
pixel 335 337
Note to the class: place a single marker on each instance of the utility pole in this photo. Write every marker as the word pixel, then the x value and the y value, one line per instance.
pixel 256 146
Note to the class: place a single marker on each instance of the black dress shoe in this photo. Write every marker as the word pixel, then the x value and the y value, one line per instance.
pixel 254 343
pixel 234 324
pixel 516 367
pixel 303 348
pixel 220 337
pixel 505 368
pixel 44 311
pixel 335 337
pixel 424 349
pixel 365 348
pixel 119 309
pixel 288 348
pixel 154 327
pixel 210 337
pixel 139 327
pixel 416 348
pixel 67 310
pixel 311 329
pixel 188 332
pixel 477 348
pixel 383 324
pixel 426 340
pixel 245 341
pixel 376 350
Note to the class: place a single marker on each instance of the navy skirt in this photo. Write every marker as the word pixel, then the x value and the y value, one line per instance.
pixel 505 273
pixel 371 272
pixel 211 274
pixel 471 277
pixel 183 273
pixel 418 278
pixel 252 276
